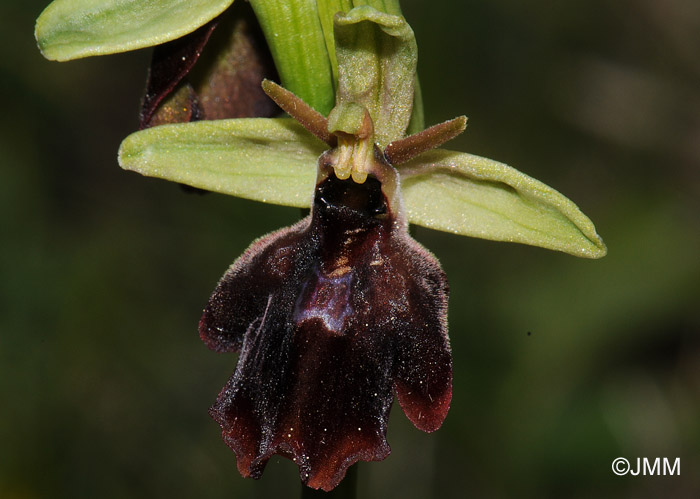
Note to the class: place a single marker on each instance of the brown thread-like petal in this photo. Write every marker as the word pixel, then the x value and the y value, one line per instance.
pixel 402 150
pixel 307 116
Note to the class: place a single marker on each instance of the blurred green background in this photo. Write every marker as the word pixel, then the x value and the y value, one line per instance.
pixel 561 364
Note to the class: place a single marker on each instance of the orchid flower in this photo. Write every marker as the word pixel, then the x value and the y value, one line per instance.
pixel 334 315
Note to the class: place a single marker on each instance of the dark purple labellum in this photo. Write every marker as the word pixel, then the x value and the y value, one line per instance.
pixel 331 317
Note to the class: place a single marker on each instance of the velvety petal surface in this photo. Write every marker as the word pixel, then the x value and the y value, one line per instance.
pixel 240 301
pixel 324 314
pixel 423 362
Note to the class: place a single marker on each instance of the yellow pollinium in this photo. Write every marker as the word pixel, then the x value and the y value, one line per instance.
pixel 353 157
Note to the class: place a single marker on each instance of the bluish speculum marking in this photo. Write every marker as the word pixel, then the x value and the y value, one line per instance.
pixel 325 298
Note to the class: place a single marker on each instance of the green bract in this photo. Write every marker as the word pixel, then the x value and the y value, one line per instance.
pixel 70 29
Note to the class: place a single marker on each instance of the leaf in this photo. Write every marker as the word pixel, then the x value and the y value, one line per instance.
pixel 71 29
pixel 272 160
pixel 294 34
pixel 473 196
pixel 377 57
